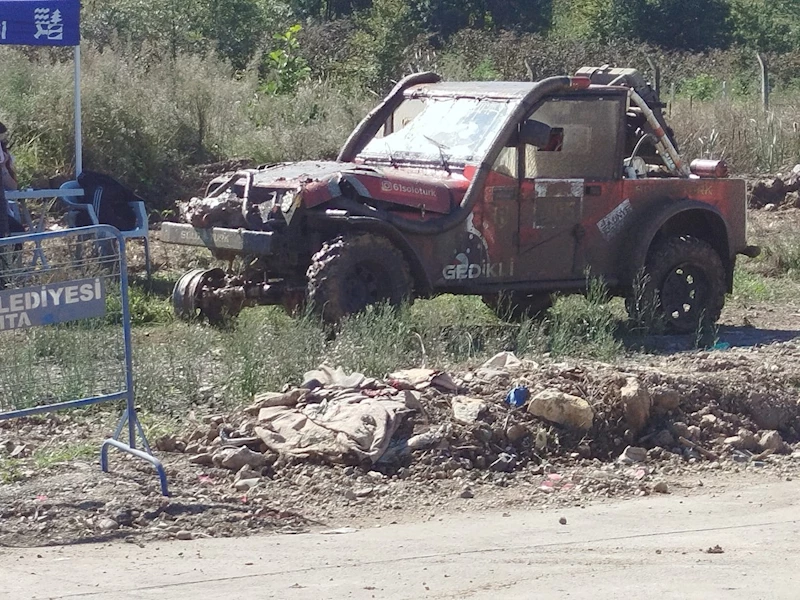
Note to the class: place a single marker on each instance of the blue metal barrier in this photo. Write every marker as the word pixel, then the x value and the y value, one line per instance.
pixel 73 283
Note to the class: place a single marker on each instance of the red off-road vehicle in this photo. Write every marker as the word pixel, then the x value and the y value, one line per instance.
pixel 505 189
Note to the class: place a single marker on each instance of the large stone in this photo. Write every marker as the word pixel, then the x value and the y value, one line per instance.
pixel 636 404
pixel 562 408
pixel 243 485
pixel 107 524
pixel 744 440
pixel 236 458
pixel 428 438
pixel 665 399
pixel 632 455
pixel 467 410
pixel 772 440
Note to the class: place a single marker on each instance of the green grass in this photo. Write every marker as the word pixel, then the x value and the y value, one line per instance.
pixel 48 456
pixel 749 287
pixel 781 257
pixel 178 364
pixel 10 470
pixel 584 326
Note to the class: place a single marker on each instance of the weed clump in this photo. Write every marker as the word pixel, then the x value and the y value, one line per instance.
pixel 584 325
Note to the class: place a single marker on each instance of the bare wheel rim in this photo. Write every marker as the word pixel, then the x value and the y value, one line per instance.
pixel 684 293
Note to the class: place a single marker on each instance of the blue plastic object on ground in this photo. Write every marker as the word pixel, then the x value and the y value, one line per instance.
pixel 517 397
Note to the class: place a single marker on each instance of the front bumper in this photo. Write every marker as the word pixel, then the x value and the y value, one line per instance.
pixel 242 241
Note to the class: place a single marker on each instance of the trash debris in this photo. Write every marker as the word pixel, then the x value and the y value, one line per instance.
pixel 421 379
pixel 332 430
pixel 427 439
pixel 517 397
pixel 505 462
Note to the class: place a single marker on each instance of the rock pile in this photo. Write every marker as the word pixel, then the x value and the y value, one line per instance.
pixel 781 190
pixel 466 422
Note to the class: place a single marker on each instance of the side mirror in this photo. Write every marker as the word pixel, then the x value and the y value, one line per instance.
pixel 535 133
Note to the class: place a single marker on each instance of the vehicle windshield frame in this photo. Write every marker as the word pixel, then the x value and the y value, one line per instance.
pixel 448 131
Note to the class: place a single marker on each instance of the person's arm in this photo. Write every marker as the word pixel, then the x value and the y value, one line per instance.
pixel 9 172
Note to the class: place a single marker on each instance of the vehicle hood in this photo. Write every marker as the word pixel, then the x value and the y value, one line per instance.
pixel 320 181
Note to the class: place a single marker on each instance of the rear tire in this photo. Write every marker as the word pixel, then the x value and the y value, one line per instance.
pixel 351 272
pixel 516 306
pixel 685 279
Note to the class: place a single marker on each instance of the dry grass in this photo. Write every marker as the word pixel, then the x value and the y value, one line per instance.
pixel 739 131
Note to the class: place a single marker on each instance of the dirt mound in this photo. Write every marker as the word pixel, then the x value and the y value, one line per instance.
pixel 345 448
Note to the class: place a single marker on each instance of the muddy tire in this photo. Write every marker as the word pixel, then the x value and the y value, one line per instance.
pixel 351 272
pixel 685 280
pixel 516 306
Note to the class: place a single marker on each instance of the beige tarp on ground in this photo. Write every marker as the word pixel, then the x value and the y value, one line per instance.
pixel 332 430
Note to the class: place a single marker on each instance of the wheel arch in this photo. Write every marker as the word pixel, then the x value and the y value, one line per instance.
pixel 349 225
pixel 686 217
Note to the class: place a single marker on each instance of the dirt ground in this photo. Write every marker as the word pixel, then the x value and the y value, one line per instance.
pixel 717 419
pixel 739 544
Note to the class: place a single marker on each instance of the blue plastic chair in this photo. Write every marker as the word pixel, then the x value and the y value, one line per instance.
pixel 141 230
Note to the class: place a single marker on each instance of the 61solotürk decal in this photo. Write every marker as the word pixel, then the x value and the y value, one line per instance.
pixel 51 303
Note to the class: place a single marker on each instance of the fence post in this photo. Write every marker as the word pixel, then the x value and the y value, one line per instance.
pixel 671 97
pixel 762 63
pixel 656 76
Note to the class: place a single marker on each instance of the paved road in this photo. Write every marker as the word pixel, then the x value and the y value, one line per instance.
pixel 646 548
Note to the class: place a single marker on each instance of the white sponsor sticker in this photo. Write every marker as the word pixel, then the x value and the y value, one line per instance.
pixel 612 223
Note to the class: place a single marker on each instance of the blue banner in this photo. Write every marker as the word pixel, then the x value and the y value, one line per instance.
pixel 51 303
pixel 40 22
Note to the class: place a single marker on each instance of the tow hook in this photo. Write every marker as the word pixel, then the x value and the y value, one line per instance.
pixel 751 251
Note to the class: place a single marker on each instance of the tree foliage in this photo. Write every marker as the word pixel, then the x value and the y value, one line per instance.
pixel 371 42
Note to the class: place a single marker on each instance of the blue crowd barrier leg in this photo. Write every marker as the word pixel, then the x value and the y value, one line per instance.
pixel 162 474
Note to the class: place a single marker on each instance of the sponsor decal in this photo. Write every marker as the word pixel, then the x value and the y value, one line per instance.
pixel 51 303
pixel 558 188
pixel 463 269
pixel 501 193
pixel 612 223
pixel 410 190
